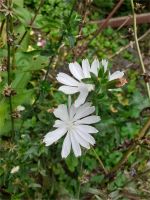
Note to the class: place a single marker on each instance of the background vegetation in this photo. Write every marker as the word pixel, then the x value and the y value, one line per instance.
pixel 38 39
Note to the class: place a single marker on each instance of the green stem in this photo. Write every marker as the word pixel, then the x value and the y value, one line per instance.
pixel 100 162
pixel 8 31
pixel 137 46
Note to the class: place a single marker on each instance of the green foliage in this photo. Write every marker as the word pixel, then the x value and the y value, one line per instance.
pixel 41 173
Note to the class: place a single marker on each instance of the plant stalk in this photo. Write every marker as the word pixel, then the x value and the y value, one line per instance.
pixel 100 162
pixel 2 26
pixel 137 46
pixel 8 32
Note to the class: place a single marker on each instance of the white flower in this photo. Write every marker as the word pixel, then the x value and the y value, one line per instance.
pixel 116 75
pixel 104 64
pixel 74 122
pixel 113 76
pixel 15 169
pixel 75 85
pixel 20 108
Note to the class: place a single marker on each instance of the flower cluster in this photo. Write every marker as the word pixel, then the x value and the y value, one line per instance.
pixel 75 120
pixel 76 84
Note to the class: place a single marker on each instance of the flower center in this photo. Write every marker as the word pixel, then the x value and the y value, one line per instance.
pixel 83 86
pixel 69 125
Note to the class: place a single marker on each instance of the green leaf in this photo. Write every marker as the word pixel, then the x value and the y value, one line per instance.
pixel 18 2
pixel 22 14
pixel 30 61
pixel 71 162
pixel 21 80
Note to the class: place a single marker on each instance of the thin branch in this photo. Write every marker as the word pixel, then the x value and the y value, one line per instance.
pixel 8 32
pixel 137 46
pixel 125 20
pixel 102 26
pixel 100 162
pixel 128 45
pixel 2 26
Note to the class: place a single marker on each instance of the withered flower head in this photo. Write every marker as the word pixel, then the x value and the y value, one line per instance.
pixel 121 81
pixel 9 91
pixel 16 114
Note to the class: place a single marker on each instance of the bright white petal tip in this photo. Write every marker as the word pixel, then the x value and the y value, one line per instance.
pixel 68 89
pixel 66 79
pixel 20 108
pixel 76 70
pixel 105 64
pixel 116 75
pixel 95 67
pixel 14 169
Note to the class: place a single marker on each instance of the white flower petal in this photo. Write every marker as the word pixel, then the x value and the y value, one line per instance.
pixel 72 111
pixel 88 129
pixel 80 108
pixel 81 98
pixel 76 70
pixel 75 145
pixel 61 112
pixel 83 107
pixel 88 120
pixel 95 67
pixel 81 140
pixel 68 89
pixel 87 137
pixel 58 123
pixel 86 68
pixel 83 113
pixel 14 169
pixel 20 108
pixel 66 146
pixel 66 79
pixel 105 64
pixel 53 136
pixel 116 75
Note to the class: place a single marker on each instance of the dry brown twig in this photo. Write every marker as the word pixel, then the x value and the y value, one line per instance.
pixel 130 44
pixel 81 49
